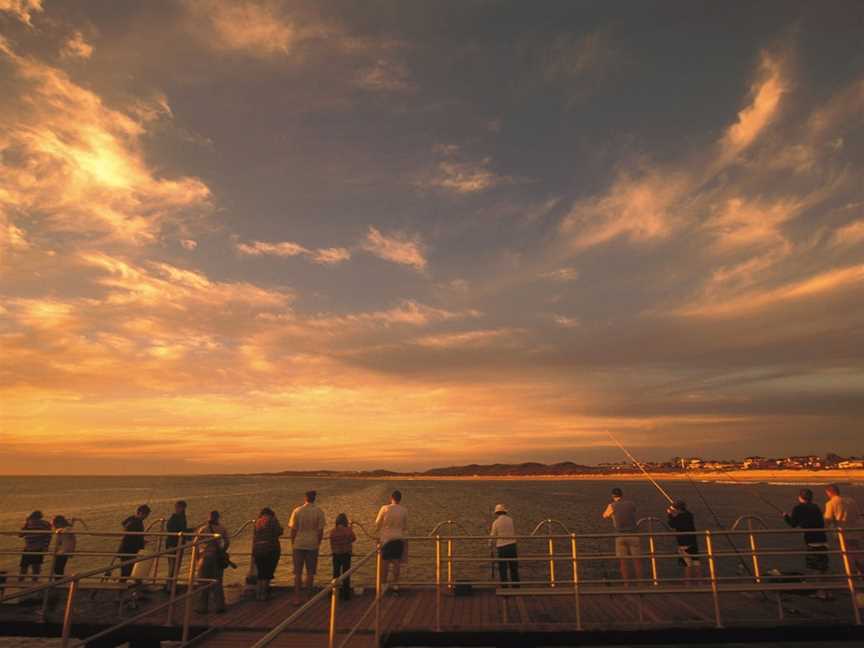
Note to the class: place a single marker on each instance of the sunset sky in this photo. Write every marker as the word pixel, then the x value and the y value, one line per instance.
pixel 241 236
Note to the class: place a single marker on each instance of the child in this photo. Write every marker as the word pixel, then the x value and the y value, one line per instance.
pixel 341 540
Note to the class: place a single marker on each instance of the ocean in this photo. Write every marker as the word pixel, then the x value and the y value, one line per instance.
pixel 103 502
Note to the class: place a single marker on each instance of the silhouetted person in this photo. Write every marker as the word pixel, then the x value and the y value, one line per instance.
pixel 266 551
pixel 682 521
pixel 177 524
pixel 211 564
pixel 341 544
pixel 132 542
pixel 807 515
pixel 35 544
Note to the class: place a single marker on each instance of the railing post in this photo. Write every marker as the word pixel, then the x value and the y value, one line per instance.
pixel 850 577
pixel 174 575
pixel 51 569
pixel 757 573
pixel 378 592
pixel 450 557
pixel 712 571
pixel 67 614
pixel 652 552
pixel 160 542
pixel 334 601
pixel 551 544
pixel 575 561
pixel 438 583
pixel 190 586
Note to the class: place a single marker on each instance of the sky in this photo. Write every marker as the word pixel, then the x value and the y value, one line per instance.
pixel 248 236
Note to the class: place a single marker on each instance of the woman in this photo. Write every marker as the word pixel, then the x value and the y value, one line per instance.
pixel 341 540
pixel 65 543
pixel 37 536
pixel 211 564
pixel 266 550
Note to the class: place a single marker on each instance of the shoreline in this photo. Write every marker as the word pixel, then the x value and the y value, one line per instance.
pixel 741 476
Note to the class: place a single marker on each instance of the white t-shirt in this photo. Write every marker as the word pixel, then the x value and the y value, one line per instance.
pixel 503 531
pixel 392 522
pixel 308 521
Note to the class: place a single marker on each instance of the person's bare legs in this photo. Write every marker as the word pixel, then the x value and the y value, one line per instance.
pixel 639 570
pixel 298 586
pixel 625 569
pixel 396 566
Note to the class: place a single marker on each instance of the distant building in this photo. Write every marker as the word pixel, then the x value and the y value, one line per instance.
pixel 851 463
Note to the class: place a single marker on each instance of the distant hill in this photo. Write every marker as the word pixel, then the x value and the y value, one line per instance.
pixel 505 470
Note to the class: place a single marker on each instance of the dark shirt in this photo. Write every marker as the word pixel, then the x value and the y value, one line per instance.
pixel 176 523
pixel 267 532
pixel 131 544
pixel 36 541
pixel 808 516
pixel 681 522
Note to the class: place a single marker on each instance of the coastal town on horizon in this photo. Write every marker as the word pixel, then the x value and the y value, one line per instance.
pixel 673 466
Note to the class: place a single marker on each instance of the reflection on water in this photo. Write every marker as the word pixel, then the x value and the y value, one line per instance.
pixel 104 501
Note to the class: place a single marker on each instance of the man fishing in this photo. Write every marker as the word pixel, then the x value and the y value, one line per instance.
pixel 628 547
pixel 807 515
pixel 682 521
pixel 843 512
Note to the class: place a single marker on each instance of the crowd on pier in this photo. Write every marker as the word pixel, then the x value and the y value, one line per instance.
pixel 306 530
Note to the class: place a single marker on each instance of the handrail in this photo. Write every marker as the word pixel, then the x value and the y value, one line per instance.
pixel 716 583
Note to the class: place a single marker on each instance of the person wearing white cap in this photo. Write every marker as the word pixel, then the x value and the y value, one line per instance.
pixel 503 539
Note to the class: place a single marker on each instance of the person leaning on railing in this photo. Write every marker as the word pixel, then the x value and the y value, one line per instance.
pixel 35 544
pixel 843 512
pixel 807 515
pixel 133 541
pixel 342 540
pixel 65 543
pixel 266 551
pixel 177 524
pixel 212 558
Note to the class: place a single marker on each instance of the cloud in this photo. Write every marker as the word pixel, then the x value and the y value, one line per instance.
pixel 850 234
pixel 809 288
pixel 397 247
pixel 766 94
pixel 189 244
pixel 257 29
pixel 77 165
pixel 323 256
pixel 261 248
pixel 561 274
pixel 472 339
pixel 76 47
pixel 457 174
pixel 23 10
pixel 385 75
pixel 565 322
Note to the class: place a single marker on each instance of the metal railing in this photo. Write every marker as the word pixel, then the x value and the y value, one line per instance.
pixel 714 584
pixel 78 581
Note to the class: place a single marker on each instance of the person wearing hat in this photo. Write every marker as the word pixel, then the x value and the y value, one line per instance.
pixel 681 520
pixel 503 534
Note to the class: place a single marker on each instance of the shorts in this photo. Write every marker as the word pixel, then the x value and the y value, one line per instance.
pixel 307 558
pixel 627 546
pixel 34 561
pixel 688 557
pixel 816 558
pixel 393 550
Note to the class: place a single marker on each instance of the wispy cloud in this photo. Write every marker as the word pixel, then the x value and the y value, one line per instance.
pixel 79 163
pixel 76 47
pixel 22 9
pixel 396 247
pixel 850 234
pixel 456 173
pixel 561 274
pixel 385 75
pixel 324 256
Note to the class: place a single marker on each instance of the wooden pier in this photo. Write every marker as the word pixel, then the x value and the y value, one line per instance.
pixel 484 612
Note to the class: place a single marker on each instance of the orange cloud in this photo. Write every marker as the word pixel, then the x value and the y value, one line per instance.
pixel 79 164
pixel 851 234
pixel 76 47
pixel 23 10
pixel 398 248
pixel 324 256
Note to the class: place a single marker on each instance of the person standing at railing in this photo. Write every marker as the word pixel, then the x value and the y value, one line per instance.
pixel 392 526
pixel 177 524
pixel 65 543
pixel 503 532
pixel 628 547
pixel 682 521
pixel 807 515
pixel 266 551
pixel 342 540
pixel 307 532
pixel 35 544
pixel 212 558
pixel 843 512
pixel 133 541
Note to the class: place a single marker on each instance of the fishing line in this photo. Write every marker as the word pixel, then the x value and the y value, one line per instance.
pixel 752 491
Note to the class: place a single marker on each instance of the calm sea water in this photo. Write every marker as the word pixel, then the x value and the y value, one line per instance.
pixel 103 502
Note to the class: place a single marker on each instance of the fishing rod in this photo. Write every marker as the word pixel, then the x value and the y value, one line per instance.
pixel 640 467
